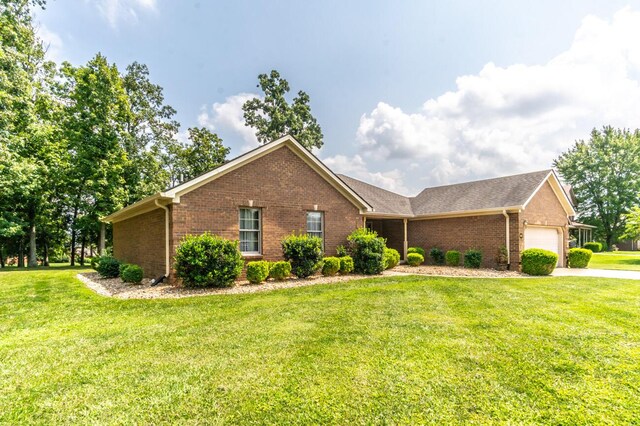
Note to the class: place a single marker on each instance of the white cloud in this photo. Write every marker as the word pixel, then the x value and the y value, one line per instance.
pixel 516 118
pixel 52 43
pixel 357 168
pixel 228 117
pixel 115 11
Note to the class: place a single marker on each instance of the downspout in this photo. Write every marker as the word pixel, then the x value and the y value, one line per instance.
pixel 506 216
pixel 166 237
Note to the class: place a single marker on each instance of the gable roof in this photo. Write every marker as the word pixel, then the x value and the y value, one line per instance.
pixel 483 196
pixel 172 195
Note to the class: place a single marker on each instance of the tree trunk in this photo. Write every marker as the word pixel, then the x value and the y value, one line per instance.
pixel 73 236
pixel 101 239
pixel 21 254
pixel 33 258
pixel 1 257
pixel 45 256
pixel 82 247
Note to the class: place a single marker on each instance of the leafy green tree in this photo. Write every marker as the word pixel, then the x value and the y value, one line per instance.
pixel 204 153
pixel 274 117
pixel 604 173
pixel 632 224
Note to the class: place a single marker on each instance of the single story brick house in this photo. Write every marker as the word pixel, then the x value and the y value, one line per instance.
pixel 281 187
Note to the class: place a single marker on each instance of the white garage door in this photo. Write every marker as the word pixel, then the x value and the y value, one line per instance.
pixel 544 238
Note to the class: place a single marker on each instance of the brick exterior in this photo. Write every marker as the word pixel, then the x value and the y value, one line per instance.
pixel 392 230
pixel 283 186
pixel 141 240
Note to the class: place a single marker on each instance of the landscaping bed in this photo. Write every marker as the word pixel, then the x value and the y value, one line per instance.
pixel 452 271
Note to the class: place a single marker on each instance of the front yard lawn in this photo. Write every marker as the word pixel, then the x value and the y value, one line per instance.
pixel 622 260
pixel 388 350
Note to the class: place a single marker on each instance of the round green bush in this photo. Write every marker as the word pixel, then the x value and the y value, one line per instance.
pixel 108 267
pixel 280 270
pixel 257 271
pixel 93 262
pixel 346 265
pixel 414 259
pixel 537 261
pixel 593 246
pixel 122 267
pixel 304 252
pixel 452 258
pixel 472 258
pixel 391 258
pixel 419 250
pixel 579 257
pixel 331 266
pixel 208 261
pixel 437 256
pixel 132 274
pixel 367 251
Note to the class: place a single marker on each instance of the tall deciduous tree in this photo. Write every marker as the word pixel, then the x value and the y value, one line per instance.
pixel 274 117
pixel 204 153
pixel 604 173
pixel 632 224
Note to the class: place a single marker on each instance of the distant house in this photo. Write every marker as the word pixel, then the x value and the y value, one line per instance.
pixel 280 188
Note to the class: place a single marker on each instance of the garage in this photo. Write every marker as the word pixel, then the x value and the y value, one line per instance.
pixel 544 238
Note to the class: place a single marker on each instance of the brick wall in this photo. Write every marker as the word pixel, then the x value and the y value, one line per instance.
pixel 392 230
pixel 283 186
pixel 141 240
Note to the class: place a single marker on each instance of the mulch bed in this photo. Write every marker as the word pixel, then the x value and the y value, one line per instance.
pixel 451 271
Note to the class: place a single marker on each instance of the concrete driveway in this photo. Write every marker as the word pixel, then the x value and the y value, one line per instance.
pixel 602 273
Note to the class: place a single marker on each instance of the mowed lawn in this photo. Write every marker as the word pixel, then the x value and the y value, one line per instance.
pixel 386 350
pixel 622 260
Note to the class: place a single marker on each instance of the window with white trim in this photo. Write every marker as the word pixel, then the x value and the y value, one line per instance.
pixel 315 226
pixel 250 231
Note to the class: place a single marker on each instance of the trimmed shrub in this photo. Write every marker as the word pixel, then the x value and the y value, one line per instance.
pixel 108 267
pixel 208 261
pixel 346 265
pixel 341 251
pixel 122 267
pixel 391 258
pixel 593 246
pixel 437 256
pixel 94 262
pixel 331 266
pixel 131 274
pixel 472 258
pixel 414 259
pixel 304 252
pixel 367 251
pixel 579 257
pixel 537 261
pixel 280 270
pixel 419 250
pixel 257 271
pixel 452 258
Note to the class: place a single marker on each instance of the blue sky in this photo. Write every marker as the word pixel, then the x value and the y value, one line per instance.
pixel 408 93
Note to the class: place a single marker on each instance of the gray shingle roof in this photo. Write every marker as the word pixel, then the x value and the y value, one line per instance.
pixel 496 193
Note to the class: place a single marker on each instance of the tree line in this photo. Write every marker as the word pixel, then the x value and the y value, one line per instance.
pixel 79 142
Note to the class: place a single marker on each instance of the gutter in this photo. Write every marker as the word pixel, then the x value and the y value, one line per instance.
pixel 506 216
pixel 166 237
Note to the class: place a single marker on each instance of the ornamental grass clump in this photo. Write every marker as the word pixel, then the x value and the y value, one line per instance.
pixel 367 251
pixel 257 271
pixel 537 261
pixel 304 252
pixel 579 257
pixel 208 261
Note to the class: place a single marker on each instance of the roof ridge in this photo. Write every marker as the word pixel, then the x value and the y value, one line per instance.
pixel 375 186
pixel 483 180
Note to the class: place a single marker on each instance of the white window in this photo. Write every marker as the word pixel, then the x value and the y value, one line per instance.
pixel 315 226
pixel 250 231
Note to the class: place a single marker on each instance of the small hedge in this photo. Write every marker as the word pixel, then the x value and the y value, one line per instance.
pixel 391 258
pixel 367 251
pixel 414 259
pixel 437 256
pixel 472 258
pixel 579 257
pixel 537 261
pixel 280 270
pixel 593 246
pixel 108 267
pixel 208 261
pixel 346 265
pixel 131 274
pixel 452 258
pixel 419 250
pixel 304 252
pixel 257 271
pixel 331 266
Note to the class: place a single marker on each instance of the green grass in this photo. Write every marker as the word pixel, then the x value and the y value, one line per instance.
pixel 387 350
pixel 621 260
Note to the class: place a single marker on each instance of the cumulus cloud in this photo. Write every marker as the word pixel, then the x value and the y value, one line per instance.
pixel 520 117
pixel 115 11
pixel 356 167
pixel 228 117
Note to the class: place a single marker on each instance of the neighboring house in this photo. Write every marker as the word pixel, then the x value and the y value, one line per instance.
pixel 279 188
pixel 628 245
